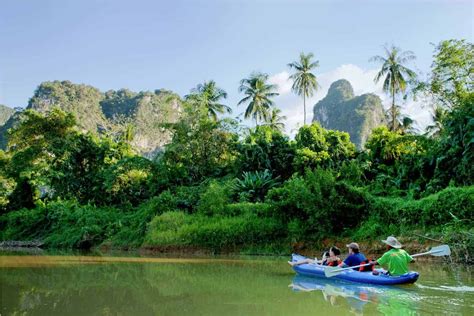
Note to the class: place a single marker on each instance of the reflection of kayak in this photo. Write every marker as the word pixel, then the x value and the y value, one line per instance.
pixel 328 286
pixel 357 295
pixel 315 270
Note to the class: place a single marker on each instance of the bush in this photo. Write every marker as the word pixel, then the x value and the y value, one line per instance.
pixel 216 233
pixel 132 231
pixel 320 204
pixel 247 208
pixel 267 148
pixel 400 216
pixel 254 185
pixel 128 181
pixel 214 200
pixel 187 197
pixel 24 224
pixel 62 224
pixel 318 147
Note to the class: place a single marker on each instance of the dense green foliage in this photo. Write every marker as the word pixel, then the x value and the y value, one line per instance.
pixel 218 188
pixel 318 147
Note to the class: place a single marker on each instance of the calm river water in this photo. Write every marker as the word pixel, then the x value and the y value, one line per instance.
pixel 117 285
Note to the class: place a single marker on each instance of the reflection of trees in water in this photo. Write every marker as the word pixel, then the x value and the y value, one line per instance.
pixel 242 287
pixel 143 288
pixel 76 290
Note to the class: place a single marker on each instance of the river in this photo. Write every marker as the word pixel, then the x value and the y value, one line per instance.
pixel 132 285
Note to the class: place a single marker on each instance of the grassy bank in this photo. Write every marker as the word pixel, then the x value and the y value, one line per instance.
pixel 272 227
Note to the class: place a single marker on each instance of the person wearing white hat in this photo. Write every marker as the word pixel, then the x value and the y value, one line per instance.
pixel 395 260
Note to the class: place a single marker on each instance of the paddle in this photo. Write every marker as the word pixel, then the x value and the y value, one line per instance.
pixel 437 251
pixel 296 263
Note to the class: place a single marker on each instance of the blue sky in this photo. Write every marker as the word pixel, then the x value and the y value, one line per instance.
pixel 145 45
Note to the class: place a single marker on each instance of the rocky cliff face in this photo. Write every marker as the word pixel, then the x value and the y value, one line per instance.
pixel 80 99
pixel 6 119
pixel 5 113
pixel 146 111
pixel 357 115
pixel 109 112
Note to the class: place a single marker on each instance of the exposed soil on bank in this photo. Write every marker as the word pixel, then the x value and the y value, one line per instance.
pixel 372 249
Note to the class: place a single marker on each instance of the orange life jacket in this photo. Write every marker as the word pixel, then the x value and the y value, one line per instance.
pixel 334 263
pixel 366 268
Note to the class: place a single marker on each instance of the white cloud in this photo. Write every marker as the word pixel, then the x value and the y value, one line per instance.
pixel 362 81
pixel 282 81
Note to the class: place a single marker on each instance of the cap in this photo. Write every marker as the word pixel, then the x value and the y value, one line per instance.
pixel 353 245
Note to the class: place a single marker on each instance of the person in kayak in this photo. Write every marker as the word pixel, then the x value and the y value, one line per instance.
pixel 395 260
pixel 329 258
pixel 354 258
pixel 333 260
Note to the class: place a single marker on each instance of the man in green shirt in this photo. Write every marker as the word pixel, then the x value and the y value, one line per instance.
pixel 395 260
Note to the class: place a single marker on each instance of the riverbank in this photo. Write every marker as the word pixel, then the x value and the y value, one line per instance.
pixel 273 227
pixel 372 249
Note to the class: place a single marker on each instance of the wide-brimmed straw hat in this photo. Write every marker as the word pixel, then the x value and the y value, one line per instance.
pixel 392 242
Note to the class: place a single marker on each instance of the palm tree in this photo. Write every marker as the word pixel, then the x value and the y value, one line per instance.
pixel 275 120
pixel 438 115
pixel 258 94
pixel 304 81
pixel 396 76
pixel 406 125
pixel 209 95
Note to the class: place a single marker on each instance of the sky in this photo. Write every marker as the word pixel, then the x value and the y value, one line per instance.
pixel 148 45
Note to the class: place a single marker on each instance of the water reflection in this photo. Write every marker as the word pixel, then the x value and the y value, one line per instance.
pixel 91 285
pixel 357 296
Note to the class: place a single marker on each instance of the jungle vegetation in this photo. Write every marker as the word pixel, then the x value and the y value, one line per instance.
pixel 222 187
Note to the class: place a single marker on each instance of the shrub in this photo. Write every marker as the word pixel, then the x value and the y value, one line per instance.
pixel 352 171
pixel 214 200
pixel 127 181
pixel 247 208
pixel 267 148
pixel 318 147
pixel 320 204
pixel 62 224
pixel 24 224
pixel 401 215
pixel 216 233
pixel 254 185
pixel 187 197
pixel 133 226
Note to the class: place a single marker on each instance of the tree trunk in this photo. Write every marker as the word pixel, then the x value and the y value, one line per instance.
pixel 304 107
pixel 394 119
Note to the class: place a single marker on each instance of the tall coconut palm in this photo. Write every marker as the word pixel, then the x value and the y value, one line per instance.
pixel 396 76
pixel 258 94
pixel 209 96
pixel 304 81
pixel 275 120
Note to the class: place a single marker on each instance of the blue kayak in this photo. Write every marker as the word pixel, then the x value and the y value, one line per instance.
pixel 316 270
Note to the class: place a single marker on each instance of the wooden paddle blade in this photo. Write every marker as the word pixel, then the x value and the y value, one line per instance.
pixel 439 251
pixel 331 271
